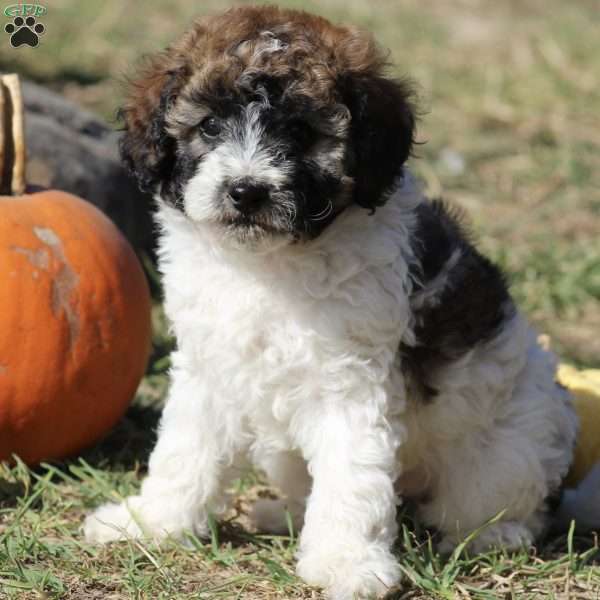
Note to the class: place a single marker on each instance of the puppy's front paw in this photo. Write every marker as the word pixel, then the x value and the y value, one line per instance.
pixel 111 522
pixel 346 574
pixel 138 517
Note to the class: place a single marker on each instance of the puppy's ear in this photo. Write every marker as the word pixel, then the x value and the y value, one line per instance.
pixel 383 118
pixel 147 149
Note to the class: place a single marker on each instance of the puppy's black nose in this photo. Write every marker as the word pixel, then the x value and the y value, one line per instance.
pixel 248 197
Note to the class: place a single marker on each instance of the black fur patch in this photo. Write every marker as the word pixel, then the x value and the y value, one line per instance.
pixel 315 188
pixel 149 153
pixel 182 171
pixel 382 135
pixel 468 309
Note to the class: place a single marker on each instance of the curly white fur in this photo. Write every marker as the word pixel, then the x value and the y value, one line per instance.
pixel 288 354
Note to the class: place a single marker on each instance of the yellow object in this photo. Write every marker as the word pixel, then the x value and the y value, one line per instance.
pixel 585 388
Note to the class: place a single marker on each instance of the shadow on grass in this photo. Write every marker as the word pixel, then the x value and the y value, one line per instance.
pixel 127 447
pixel 10 492
pixel 556 546
pixel 129 443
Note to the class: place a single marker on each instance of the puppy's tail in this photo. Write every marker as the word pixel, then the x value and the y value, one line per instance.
pixel 581 504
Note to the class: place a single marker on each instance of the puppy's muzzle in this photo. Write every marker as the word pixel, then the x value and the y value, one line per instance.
pixel 247 196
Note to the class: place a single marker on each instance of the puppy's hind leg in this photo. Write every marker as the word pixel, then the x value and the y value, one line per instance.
pixel 508 459
pixel 288 472
pixel 188 470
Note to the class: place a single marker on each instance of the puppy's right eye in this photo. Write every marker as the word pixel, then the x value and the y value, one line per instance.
pixel 210 127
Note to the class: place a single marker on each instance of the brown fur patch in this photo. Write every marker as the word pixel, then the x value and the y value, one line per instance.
pixel 312 50
pixel 219 49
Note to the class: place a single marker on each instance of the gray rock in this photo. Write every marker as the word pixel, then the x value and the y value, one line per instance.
pixel 70 149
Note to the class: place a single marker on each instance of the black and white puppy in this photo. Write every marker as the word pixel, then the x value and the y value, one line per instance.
pixel 334 327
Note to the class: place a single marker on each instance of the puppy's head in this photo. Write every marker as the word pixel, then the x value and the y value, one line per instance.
pixel 268 122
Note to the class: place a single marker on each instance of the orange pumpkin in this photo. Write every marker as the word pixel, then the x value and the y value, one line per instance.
pixel 74 325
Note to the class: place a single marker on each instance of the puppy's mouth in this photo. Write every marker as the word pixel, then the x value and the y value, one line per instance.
pixel 247 222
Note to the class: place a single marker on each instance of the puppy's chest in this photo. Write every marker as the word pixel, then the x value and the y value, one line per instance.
pixel 233 317
pixel 252 315
pixel 277 339
pixel 280 329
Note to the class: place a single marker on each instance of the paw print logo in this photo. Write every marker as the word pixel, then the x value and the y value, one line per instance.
pixel 24 31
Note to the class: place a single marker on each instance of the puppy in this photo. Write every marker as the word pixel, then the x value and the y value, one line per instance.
pixel 334 327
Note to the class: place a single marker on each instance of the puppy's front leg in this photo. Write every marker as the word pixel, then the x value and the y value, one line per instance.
pixel 350 520
pixel 187 470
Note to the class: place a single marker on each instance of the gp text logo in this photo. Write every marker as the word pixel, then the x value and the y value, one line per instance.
pixel 25 10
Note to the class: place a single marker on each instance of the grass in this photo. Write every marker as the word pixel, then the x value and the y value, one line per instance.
pixel 510 94
pixel 42 554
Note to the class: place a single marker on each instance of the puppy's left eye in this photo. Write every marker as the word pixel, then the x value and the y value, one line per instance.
pixel 210 127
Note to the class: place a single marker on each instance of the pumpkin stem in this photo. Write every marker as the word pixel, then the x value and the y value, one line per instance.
pixel 12 137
